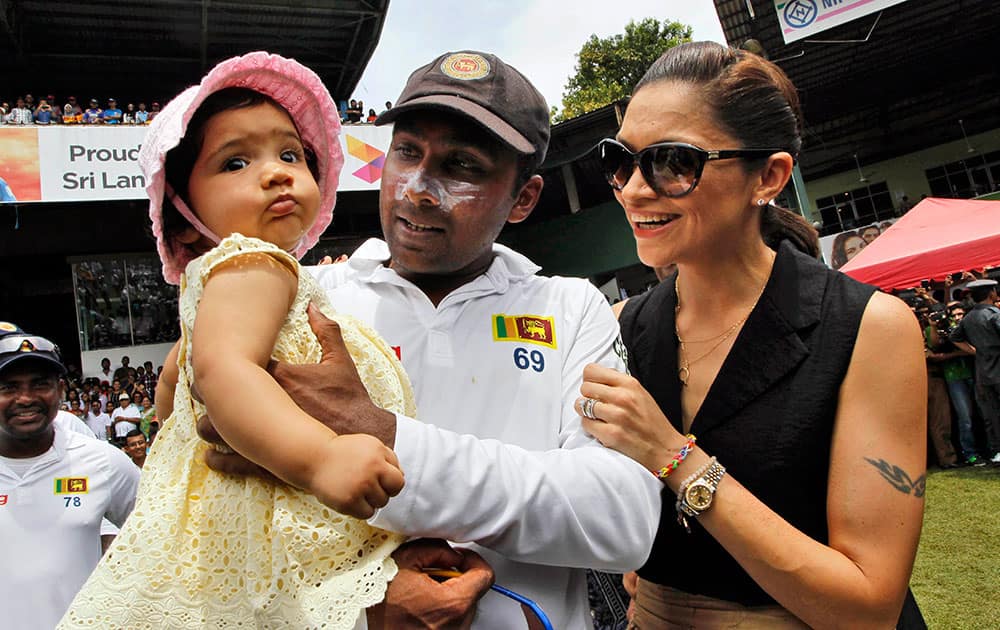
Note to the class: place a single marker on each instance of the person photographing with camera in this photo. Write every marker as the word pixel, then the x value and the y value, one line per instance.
pixel 951 364
pixel 979 332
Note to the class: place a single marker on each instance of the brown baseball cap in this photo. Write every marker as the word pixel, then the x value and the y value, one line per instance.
pixel 482 87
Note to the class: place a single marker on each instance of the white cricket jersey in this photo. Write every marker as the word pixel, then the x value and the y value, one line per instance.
pixel 498 455
pixel 50 521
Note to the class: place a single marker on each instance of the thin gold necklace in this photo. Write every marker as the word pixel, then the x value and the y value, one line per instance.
pixel 684 371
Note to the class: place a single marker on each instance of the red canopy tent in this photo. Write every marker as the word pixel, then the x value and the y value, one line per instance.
pixel 937 237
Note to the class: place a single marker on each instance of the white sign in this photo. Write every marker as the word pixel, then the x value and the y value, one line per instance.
pixel 88 163
pixel 799 19
pixel 69 163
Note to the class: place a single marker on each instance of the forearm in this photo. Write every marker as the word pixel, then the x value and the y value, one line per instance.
pixel 166 385
pixel 260 422
pixel 582 507
pixel 818 583
pixel 965 347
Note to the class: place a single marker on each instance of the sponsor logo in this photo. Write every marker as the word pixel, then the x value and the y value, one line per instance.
pixel 800 13
pixel 373 158
pixel 465 66
pixel 71 485
pixel 525 328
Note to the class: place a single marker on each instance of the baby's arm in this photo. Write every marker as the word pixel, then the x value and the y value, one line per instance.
pixel 244 303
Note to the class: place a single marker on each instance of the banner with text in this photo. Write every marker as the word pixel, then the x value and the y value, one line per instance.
pixel 799 19
pixel 97 163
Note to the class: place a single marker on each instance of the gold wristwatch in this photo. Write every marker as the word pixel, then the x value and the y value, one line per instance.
pixel 697 496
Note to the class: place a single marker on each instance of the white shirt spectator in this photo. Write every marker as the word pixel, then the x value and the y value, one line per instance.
pixel 99 424
pixel 122 428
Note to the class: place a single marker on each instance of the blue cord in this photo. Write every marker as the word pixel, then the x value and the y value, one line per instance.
pixel 521 599
pixel 535 608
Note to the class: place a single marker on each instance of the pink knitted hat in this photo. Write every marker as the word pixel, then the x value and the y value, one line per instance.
pixel 288 82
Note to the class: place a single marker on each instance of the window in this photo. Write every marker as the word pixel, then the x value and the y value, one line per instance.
pixel 123 301
pixel 854 208
pixel 975 175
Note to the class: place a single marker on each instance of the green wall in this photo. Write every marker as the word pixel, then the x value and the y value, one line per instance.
pixel 593 241
pixel 903 175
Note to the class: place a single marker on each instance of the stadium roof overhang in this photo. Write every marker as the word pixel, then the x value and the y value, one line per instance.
pixel 153 49
pixel 885 84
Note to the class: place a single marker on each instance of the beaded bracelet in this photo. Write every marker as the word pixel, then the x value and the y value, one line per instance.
pixel 681 455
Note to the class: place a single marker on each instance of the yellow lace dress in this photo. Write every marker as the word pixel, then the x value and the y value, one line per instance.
pixel 205 550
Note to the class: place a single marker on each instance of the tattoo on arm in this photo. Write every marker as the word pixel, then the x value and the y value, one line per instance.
pixel 899 479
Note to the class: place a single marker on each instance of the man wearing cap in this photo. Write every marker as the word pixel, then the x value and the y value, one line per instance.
pixel 125 418
pixel 93 114
pixel 112 115
pixel 55 487
pixel 495 353
pixel 979 332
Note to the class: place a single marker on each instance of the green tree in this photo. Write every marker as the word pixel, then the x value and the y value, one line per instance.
pixel 608 68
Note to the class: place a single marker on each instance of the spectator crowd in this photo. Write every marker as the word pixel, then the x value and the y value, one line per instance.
pixel 48 111
pixel 117 404
pixel 354 113
pixel 25 110
pixel 962 424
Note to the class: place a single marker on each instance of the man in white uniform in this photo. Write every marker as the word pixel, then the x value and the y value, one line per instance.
pixel 55 487
pixel 496 354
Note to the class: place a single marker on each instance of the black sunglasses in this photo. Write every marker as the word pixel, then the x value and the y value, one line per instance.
pixel 672 169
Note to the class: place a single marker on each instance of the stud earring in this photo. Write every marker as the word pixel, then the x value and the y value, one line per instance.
pixel 761 202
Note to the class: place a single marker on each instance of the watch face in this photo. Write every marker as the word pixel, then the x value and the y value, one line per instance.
pixel 698 496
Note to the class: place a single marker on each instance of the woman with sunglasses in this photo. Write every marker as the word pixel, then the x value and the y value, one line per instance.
pixel 781 403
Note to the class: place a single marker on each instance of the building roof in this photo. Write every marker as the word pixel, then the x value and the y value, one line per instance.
pixel 155 48
pixel 885 84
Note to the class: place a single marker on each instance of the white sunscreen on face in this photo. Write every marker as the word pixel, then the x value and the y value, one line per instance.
pixel 449 193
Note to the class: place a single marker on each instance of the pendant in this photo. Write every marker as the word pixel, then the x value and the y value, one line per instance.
pixel 683 374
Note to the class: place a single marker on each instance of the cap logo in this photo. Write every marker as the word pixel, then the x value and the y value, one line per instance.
pixel 465 66
pixel 26 346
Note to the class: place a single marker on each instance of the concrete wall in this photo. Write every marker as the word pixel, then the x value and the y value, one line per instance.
pixel 137 355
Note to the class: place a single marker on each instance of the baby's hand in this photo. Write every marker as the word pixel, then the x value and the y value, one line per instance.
pixel 358 475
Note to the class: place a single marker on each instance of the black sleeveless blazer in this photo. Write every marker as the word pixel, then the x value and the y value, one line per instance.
pixel 768 416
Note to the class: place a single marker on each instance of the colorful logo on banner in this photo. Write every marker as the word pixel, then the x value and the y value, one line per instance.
pixel 71 485
pixel 525 328
pixel 373 157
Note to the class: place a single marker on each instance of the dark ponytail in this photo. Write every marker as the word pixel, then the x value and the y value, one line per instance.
pixel 755 102
pixel 780 224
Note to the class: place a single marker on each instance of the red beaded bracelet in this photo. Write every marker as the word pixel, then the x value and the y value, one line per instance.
pixel 664 472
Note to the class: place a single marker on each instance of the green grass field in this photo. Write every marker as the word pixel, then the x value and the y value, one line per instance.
pixel 956 579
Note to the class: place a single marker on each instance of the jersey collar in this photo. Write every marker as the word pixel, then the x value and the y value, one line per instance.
pixel 508 266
